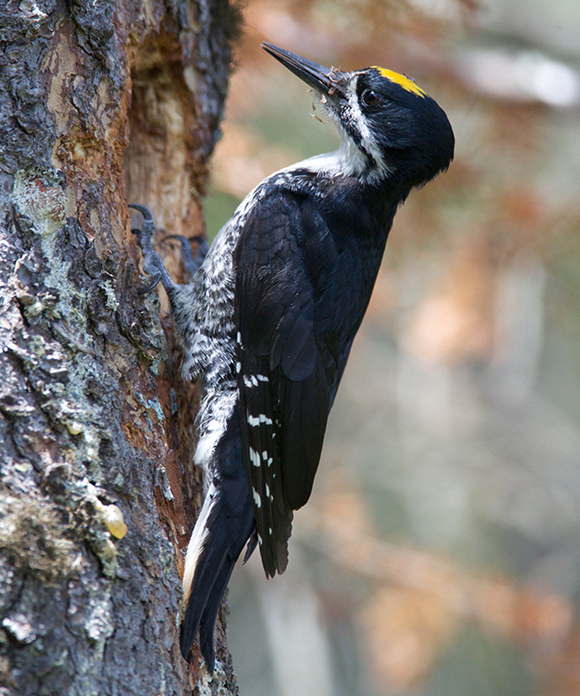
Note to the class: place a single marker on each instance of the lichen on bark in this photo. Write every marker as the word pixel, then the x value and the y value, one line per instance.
pixel 99 102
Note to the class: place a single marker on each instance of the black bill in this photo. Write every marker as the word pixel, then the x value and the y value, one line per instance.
pixel 324 80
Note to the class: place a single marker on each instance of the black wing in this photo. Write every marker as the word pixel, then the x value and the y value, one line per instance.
pixel 288 359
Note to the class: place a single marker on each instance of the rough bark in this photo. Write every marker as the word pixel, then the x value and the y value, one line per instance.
pixel 101 103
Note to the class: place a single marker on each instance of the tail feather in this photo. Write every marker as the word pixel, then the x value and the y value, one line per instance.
pixel 220 534
pixel 208 620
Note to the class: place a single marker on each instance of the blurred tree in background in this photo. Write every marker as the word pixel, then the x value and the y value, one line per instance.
pixel 440 555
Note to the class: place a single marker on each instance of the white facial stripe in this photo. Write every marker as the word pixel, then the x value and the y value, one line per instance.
pixel 362 127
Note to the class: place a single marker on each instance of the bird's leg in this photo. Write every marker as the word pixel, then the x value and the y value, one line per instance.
pixel 191 263
pixel 152 263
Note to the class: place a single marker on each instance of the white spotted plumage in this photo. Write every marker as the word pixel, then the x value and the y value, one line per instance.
pixel 254 457
pixel 254 421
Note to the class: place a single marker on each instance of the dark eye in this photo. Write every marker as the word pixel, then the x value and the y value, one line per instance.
pixel 370 97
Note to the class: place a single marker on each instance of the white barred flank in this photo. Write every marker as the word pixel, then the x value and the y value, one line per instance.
pixel 214 413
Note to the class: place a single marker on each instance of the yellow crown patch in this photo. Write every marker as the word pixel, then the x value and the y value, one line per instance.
pixel 402 80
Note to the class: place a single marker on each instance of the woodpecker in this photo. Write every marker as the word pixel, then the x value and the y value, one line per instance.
pixel 271 311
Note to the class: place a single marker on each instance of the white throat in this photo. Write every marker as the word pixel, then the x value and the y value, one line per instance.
pixel 346 160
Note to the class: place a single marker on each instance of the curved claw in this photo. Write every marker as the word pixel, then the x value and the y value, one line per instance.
pixel 148 222
pixel 142 209
pixel 152 285
pixel 182 239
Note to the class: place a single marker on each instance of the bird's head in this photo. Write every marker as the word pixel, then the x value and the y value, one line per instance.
pixel 392 130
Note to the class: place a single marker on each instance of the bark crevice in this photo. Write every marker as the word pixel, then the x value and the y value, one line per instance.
pixel 97 103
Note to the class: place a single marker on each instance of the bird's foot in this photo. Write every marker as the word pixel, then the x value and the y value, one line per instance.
pixel 191 263
pixel 152 263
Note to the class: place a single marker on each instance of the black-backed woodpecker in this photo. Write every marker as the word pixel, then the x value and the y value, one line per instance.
pixel 270 314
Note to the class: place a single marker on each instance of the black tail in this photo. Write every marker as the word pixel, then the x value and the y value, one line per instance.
pixel 224 526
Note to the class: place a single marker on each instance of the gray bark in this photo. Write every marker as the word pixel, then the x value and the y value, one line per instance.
pixel 101 103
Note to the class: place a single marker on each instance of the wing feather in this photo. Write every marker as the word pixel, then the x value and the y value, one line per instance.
pixel 288 361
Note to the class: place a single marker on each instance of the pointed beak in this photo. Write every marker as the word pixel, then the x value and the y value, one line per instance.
pixel 327 81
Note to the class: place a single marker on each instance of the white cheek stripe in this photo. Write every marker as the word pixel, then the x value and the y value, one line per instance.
pixel 362 127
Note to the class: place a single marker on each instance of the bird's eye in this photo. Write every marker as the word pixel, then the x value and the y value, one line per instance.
pixel 370 97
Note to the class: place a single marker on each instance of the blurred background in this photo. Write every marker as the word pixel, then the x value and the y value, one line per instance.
pixel 440 553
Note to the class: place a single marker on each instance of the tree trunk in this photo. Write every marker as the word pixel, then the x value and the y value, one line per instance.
pixel 101 103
